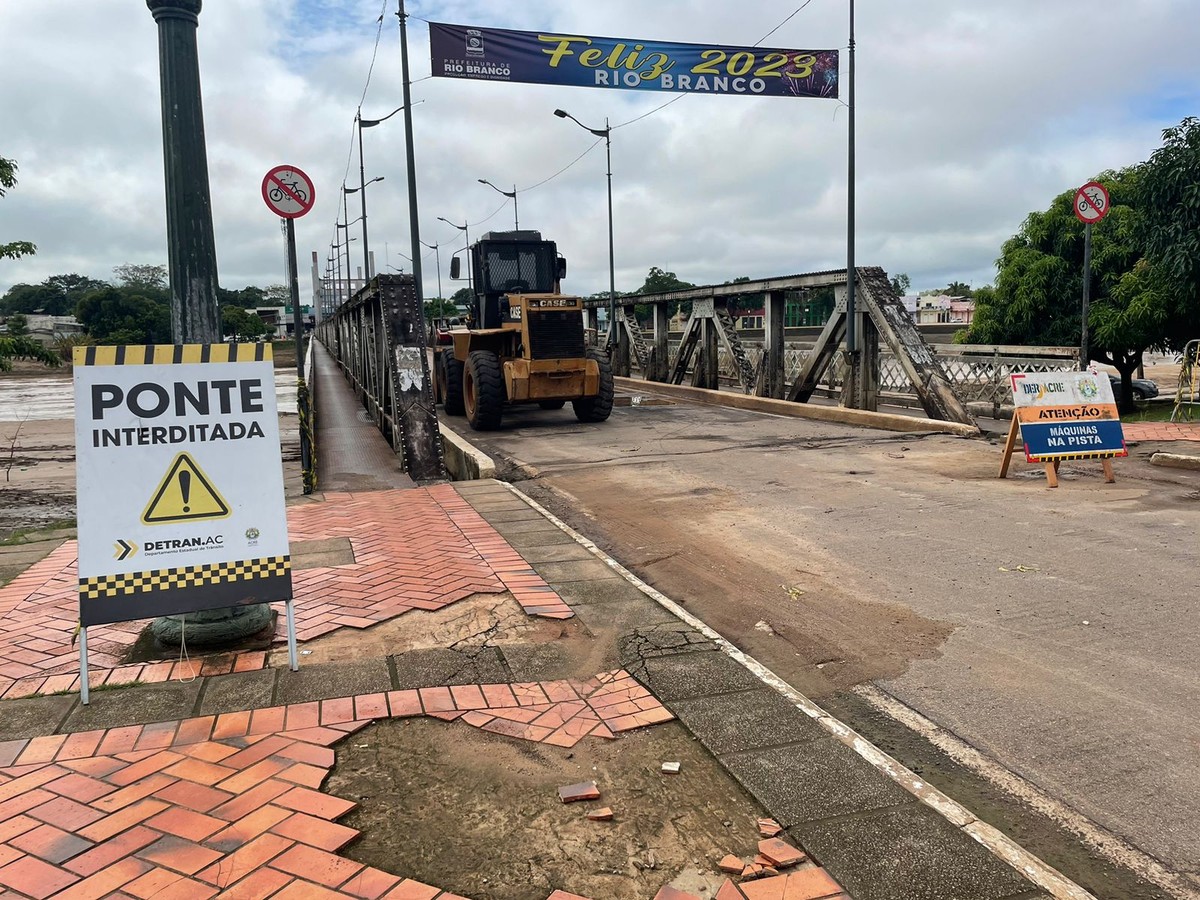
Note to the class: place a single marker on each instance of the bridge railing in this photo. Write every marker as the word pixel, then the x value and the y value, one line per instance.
pixel 979 373
pixel 378 339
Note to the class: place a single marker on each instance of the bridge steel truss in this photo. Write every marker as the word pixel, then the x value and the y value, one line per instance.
pixel 378 339
pixel 879 317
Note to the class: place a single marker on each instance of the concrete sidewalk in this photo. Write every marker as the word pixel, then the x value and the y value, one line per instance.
pixel 209 781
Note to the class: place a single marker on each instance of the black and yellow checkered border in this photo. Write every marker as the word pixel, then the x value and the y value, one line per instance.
pixel 182 577
pixel 167 354
pixel 1090 454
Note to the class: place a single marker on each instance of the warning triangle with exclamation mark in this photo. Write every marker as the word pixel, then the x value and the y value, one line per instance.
pixel 184 495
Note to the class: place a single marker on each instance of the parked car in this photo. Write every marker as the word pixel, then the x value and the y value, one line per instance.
pixel 1143 388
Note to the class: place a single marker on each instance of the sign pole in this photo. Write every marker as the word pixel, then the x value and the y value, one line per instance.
pixel 1087 295
pixel 293 660
pixel 84 693
pixel 1092 204
pixel 294 289
pixel 851 335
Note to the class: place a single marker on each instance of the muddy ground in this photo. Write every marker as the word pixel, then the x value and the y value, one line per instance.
pixel 479 815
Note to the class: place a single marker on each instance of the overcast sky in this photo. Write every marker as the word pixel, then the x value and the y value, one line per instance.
pixel 970 115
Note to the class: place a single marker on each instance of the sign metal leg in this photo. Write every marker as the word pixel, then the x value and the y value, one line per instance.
pixel 293 660
pixel 83 667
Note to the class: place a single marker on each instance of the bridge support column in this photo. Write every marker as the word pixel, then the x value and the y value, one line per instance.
pixel 592 322
pixel 620 357
pixel 660 367
pixel 774 377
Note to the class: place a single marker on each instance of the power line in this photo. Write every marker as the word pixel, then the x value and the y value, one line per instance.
pixel 563 169
pixel 374 53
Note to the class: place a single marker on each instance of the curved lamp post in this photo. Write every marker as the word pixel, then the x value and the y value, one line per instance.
pixel 512 195
pixel 606 133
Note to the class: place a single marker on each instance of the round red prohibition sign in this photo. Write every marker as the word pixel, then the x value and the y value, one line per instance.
pixel 288 192
pixel 1091 202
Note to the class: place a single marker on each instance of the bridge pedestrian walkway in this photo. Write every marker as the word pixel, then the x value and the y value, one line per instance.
pixel 352 453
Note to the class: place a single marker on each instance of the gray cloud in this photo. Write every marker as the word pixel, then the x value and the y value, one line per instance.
pixel 969 117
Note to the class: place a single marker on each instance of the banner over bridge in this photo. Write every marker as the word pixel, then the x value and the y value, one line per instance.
pixel 554 57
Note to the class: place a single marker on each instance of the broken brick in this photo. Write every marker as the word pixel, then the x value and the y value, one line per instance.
pixel 604 814
pixel 585 790
pixel 731 864
pixel 769 828
pixel 670 768
pixel 780 853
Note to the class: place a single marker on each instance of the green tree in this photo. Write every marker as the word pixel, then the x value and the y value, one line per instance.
pixel 958 289
pixel 122 316
pixel 237 322
pixel 14 347
pixel 659 281
pixel 901 283
pixel 1168 199
pixel 144 279
pixel 8 180
pixel 18 325
pixel 56 296
pixel 1039 285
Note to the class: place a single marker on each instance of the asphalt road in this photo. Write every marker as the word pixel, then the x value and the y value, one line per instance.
pixel 1055 631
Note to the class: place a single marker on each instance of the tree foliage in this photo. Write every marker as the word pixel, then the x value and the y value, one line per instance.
pixel 1145 272
pixel 14 347
pixel 121 316
pixel 145 277
pixel 238 323
pixel 8 180
pixel 56 296
pixel 1168 200
pixel 901 283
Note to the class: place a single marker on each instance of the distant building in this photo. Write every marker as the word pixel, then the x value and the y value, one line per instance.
pixel 48 330
pixel 940 309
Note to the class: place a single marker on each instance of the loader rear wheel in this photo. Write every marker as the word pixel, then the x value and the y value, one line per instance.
pixel 552 404
pixel 450 383
pixel 483 390
pixel 597 409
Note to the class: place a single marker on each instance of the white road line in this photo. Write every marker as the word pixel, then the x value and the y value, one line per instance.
pixel 1040 873
pixel 1098 838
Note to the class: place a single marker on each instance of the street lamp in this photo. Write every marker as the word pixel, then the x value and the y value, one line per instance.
pixel 362 180
pixel 438 254
pixel 361 190
pixel 606 133
pixel 466 246
pixel 510 194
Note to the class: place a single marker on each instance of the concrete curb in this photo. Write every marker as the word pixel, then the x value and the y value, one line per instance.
pixel 840 415
pixel 465 461
pixel 1004 848
pixel 1176 461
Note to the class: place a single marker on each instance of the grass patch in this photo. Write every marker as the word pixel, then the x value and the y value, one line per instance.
pixel 1155 412
pixel 26 535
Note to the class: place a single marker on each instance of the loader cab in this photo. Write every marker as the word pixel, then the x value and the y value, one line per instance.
pixel 509 262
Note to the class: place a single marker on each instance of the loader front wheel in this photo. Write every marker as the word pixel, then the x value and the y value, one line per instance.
pixel 450 383
pixel 483 390
pixel 597 408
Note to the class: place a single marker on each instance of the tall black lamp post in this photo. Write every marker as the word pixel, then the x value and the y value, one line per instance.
pixel 362 182
pixel 606 133
pixel 191 248
pixel 191 258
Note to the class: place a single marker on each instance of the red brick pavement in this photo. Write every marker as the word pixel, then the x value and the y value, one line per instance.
pixel 422 548
pixel 231 804
pixel 1161 431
